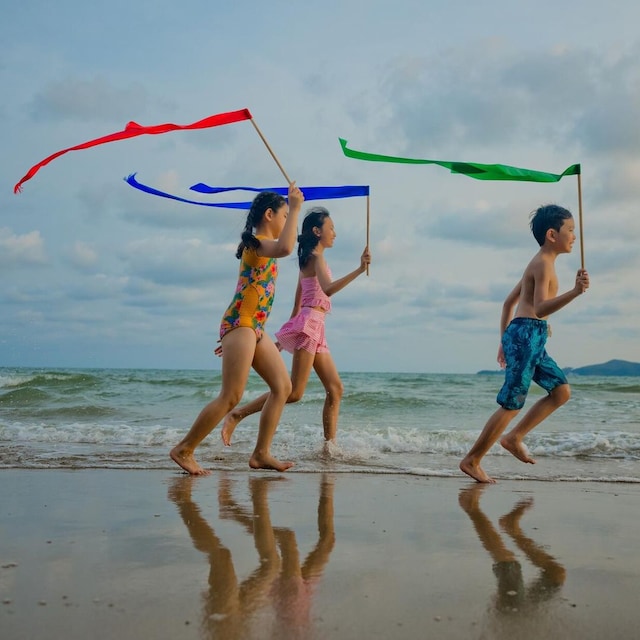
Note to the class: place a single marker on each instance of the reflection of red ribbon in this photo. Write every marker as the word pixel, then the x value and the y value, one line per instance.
pixel 133 129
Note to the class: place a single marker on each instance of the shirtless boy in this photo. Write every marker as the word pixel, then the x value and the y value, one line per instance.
pixel 522 348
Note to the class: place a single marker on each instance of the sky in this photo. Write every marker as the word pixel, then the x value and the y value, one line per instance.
pixel 96 274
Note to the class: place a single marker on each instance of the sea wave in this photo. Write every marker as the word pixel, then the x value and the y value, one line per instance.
pixel 360 441
pixel 389 423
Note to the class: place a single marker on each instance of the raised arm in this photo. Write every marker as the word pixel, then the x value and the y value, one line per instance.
pixel 284 245
pixel 330 287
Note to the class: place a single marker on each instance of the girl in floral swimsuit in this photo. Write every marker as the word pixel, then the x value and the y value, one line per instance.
pixel 252 302
pixel 243 340
pixel 303 334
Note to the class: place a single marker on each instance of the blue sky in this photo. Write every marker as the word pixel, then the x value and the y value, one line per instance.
pixel 96 274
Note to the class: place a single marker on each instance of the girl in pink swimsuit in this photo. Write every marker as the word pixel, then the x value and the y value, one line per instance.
pixel 270 233
pixel 303 334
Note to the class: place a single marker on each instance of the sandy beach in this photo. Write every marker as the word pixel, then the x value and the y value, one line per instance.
pixel 155 554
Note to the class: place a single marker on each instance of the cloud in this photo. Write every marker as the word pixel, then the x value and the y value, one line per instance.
pixel 179 261
pixel 83 256
pixel 498 228
pixel 168 300
pixel 442 100
pixel 21 250
pixel 560 96
pixel 614 262
pixel 98 287
pixel 607 121
pixel 611 123
pixel 76 99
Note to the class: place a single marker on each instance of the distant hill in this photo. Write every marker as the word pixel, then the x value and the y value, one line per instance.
pixel 611 368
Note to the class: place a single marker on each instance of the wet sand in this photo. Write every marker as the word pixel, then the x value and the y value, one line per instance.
pixel 156 554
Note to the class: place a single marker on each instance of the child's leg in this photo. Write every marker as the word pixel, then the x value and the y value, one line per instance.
pixel 554 573
pixel 239 349
pixel 301 366
pixel 506 567
pixel 300 371
pixel 523 346
pixel 496 424
pixel 469 500
pixel 224 590
pixel 542 409
pixel 257 522
pixel 240 413
pixel 318 557
pixel 269 364
pixel 260 581
pixel 328 373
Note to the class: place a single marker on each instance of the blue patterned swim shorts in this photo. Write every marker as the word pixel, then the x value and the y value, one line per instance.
pixel 523 344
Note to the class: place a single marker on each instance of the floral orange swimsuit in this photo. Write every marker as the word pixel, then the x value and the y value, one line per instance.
pixel 255 290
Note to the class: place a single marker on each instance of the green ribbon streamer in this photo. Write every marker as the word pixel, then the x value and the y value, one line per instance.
pixel 471 169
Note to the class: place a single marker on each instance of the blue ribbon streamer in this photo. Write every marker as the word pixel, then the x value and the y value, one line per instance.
pixel 310 193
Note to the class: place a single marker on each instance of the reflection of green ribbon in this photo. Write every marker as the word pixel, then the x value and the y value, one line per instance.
pixel 471 169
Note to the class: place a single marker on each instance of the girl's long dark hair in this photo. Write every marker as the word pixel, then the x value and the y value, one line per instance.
pixel 263 201
pixel 308 240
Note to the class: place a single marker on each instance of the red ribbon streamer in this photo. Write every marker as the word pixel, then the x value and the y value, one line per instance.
pixel 133 129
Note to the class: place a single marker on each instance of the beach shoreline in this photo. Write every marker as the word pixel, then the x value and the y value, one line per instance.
pixel 420 423
pixel 128 554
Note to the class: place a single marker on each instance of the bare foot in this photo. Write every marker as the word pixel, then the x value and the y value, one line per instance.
pixel 186 460
pixel 517 448
pixel 476 472
pixel 229 426
pixel 330 450
pixel 268 462
pixel 469 497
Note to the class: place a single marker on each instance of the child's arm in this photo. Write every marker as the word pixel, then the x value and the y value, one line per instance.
pixel 296 303
pixel 508 307
pixel 543 276
pixel 331 287
pixel 285 244
pixel 296 307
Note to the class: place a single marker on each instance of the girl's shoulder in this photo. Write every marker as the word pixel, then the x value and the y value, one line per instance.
pixel 320 266
pixel 309 269
pixel 307 272
pixel 253 257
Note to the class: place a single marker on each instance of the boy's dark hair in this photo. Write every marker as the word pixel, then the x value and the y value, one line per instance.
pixel 308 240
pixel 548 216
pixel 263 201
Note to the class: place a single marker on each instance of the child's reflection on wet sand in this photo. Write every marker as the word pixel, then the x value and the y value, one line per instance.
pixel 279 592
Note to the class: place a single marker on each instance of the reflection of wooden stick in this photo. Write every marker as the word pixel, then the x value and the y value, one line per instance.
pixel 580 219
pixel 270 150
pixel 368 228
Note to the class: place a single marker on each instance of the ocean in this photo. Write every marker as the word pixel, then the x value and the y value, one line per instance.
pixel 419 424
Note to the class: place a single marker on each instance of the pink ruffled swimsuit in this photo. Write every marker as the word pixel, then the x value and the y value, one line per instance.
pixel 306 329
